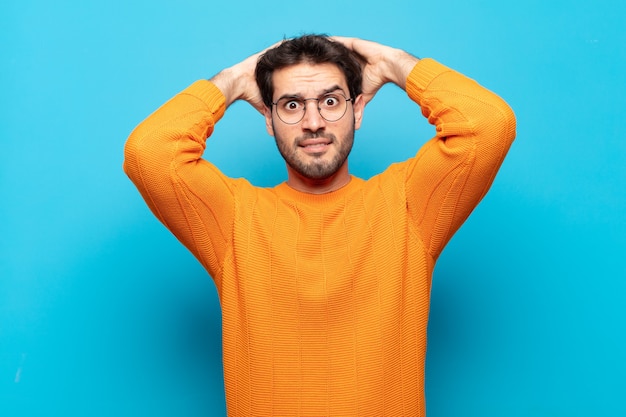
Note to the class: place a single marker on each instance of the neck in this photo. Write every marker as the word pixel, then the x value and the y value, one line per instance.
pixel 318 186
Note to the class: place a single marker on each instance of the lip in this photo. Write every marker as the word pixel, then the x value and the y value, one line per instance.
pixel 315 146
pixel 314 142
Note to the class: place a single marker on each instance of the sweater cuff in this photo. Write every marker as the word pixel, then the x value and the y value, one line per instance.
pixel 421 75
pixel 210 95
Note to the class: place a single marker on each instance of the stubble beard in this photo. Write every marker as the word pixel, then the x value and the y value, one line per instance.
pixel 318 168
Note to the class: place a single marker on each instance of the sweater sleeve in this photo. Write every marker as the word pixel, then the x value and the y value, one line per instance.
pixel 189 195
pixel 453 171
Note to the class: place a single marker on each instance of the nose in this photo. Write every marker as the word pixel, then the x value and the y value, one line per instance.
pixel 312 120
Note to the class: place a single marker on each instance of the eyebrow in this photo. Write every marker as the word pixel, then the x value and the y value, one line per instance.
pixel 323 93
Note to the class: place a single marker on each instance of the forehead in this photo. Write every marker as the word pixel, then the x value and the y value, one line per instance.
pixel 307 79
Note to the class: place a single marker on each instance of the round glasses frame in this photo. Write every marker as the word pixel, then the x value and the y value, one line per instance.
pixel 328 113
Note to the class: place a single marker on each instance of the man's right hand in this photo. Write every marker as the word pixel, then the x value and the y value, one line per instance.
pixel 238 82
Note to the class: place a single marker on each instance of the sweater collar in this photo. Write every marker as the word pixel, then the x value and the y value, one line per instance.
pixel 284 191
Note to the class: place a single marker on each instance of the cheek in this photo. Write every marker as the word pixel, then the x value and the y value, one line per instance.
pixel 280 130
pixel 284 135
pixel 348 126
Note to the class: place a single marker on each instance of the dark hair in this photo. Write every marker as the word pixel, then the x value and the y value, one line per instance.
pixel 314 49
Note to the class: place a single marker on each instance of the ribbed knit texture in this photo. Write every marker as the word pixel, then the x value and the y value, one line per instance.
pixel 324 297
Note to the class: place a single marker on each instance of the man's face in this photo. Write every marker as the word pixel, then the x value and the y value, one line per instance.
pixel 314 148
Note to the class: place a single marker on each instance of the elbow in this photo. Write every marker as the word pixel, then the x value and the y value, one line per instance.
pixel 130 165
pixel 500 122
pixel 136 145
pixel 508 123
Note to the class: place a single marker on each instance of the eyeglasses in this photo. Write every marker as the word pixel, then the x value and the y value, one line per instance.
pixel 331 107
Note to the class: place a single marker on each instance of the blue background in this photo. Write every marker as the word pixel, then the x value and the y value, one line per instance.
pixel 103 312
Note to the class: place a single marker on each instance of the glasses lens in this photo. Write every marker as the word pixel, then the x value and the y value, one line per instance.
pixel 290 110
pixel 332 107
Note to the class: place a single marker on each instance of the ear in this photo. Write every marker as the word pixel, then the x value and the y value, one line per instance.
pixel 358 105
pixel 267 112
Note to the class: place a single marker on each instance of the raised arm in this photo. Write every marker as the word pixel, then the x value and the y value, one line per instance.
pixel 474 130
pixel 452 172
pixel 163 157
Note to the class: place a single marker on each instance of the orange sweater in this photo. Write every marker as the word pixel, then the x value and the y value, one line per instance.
pixel 325 298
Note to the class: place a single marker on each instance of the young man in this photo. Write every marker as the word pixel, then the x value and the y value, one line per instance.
pixel 324 280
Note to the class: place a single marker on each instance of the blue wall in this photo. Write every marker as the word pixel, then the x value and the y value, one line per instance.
pixel 103 313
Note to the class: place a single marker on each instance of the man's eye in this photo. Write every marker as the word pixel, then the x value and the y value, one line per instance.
pixel 292 105
pixel 330 101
